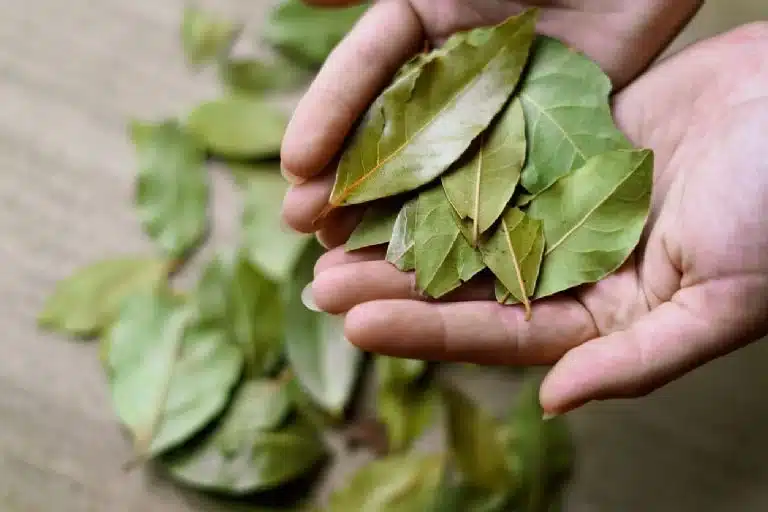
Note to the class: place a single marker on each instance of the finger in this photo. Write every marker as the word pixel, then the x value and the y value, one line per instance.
pixel 338 225
pixel 303 202
pixel 475 332
pixel 671 340
pixel 339 256
pixel 385 37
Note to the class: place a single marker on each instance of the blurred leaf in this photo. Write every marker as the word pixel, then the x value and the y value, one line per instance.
pixel 476 443
pixel 89 300
pixel 172 189
pixel 206 36
pixel 251 76
pixel 239 457
pixel 403 483
pixel 308 34
pixel 375 228
pixel 245 172
pixel 238 127
pixel 453 495
pixel 325 363
pixel 261 404
pixel 405 406
pixel 168 375
pixel 270 245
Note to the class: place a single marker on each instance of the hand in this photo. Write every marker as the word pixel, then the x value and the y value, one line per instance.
pixel 695 289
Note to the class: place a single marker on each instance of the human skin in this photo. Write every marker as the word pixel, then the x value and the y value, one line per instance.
pixel 694 289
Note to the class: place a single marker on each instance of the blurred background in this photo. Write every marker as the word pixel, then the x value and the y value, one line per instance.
pixel 71 74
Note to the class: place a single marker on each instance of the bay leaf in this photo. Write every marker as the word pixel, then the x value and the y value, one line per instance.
pixel 426 119
pixel 400 251
pixel 307 34
pixel 455 495
pixel 593 218
pixel 238 127
pixel 205 36
pixel 270 245
pixel 172 186
pixel 260 404
pixel 243 173
pixel 443 257
pixel 402 483
pixel 565 97
pixel 252 76
pixel 476 443
pixel 87 302
pixel 324 362
pixel 480 188
pixel 513 252
pixel 238 458
pixel 375 228
pixel 168 375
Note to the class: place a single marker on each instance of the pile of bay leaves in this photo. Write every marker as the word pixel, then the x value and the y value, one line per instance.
pixel 233 386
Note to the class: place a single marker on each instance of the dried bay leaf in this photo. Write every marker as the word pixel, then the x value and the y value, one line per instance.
pixel 400 251
pixel 375 227
pixel 251 76
pixel 480 188
pixel 593 218
pixel 243 173
pixel 567 113
pixel 513 252
pixel 238 127
pixel 88 301
pixel 172 187
pixel 402 483
pixel 455 495
pixel 206 36
pixel 324 362
pixel 443 257
pixel 260 404
pixel 168 375
pixel 428 117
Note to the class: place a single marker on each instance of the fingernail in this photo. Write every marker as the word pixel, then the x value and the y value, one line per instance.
pixel 291 178
pixel 308 300
pixel 549 415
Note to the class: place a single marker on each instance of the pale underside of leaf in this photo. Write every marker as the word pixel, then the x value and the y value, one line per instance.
pixel 400 248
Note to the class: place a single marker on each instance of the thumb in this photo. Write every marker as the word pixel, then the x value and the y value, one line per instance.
pixel 697 325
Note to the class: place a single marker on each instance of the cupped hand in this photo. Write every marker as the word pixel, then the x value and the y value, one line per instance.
pixel 695 288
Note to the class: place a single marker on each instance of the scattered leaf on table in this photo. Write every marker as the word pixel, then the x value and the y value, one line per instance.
pixel 251 76
pixel 428 117
pixel 270 245
pixel 308 34
pixel 400 250
pixel 172 188
pixel 324 362
pixel 402 483
pixel 593 218
pixel 168 376
pixel 86 302
pixel 476 443
pixel 375 228
pixel 238 458
pixel 406 407
pixel 443 257
pixel 480 188
pixel 513 252
pixel 238 127
pixel 206 36
pixel 238 298
pixel 260 404
pixel 567 113
pixel 541 448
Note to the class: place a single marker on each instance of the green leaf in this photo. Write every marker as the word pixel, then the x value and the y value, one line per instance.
pixel 404 406
pixel 238 127
pixel 426 119
pixel 239 458
pixel 453 495
pixel 172 188
pixel 325 363
pixel 243 173
pixel 593 218
pixel 400 251
pixel 168 375
pixel 476 443
pixel 565 97
pixel 251 76
pixel 541 448
pixel 443 257
pixel 308 34
pixel 206 36
pixel 238 298
pixel 403 483
pixel 482 185
pixel 260 404
pixel 86 303
pixel 513 252
pixel 375 228
pixel 270 245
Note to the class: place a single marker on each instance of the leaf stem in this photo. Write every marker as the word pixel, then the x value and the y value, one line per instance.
pixel 518 272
